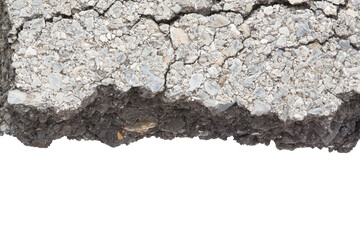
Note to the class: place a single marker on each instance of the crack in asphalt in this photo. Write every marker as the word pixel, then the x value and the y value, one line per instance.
pixel 204 12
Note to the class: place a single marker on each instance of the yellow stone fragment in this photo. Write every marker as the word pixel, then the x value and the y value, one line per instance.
pixel 120 136
pixel 140 127
pixel 315 46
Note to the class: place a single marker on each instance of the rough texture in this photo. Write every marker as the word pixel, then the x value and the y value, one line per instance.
pixel 118 71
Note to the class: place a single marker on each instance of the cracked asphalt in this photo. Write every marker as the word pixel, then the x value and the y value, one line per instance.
pixel 295 59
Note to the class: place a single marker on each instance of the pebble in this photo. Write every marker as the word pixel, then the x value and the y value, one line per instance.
pixel 260 108
pixel 55 81
pixel 30 52
pixel 155 83
pixel 179 36
pixel 211 88
pixel 195 81
pixel 268 10
pixel 219 21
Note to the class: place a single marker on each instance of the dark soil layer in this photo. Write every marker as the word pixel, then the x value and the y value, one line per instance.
pixel 110 113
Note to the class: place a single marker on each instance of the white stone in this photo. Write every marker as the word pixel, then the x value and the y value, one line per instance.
pixel 179 36
pixel 155 83
pixel 55 80
pixel 284 31
pixel 268 10
pixel 293 2
pixel 19 97
pixel 211 88
pixel 30 52
pixel 281 42
pixel 260 108
pixel 219 21
pixel 195 81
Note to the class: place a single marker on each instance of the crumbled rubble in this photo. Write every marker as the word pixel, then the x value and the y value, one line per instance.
pixel 276 65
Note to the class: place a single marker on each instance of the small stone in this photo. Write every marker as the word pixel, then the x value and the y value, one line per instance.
pixel 294 2
pixel 344 45
pixel 57 67
pixel 352 71
pixel 353 39
pixel 120 136
pixel 284 31
pixel 315 46
pixel 259 92
pixel 30 52
pixel 176 8
pixel 164 28
pixel 16 64
pixel 222 107
pixel 195 81
pixel 299 103
pixel 60 97
pixel 222 81
pixel 246 30
pixel 16 97
pixel 316 111
pixel 103 38
pixel 281 42
pixel 77 69
pixel 213 71
pixel 299 116
pixel 268 10
pixel 19 97
pixel 211 88
pixel 260 108
pixel 249 81
pixel 154 83
pixel 277 73
pixel 179 36
pixel 55 80
pixel 236 66
pixel 140 127
pixel 303 29
pixel 219 21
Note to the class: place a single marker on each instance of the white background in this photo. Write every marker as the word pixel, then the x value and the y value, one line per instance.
pixel 180 189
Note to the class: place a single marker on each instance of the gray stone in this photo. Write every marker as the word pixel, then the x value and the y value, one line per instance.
pixel 249 81
pixel 211 88
pixel 260 108
pixel 259 92
pixel 55 80
pixel 303 29
pixel 195 81
pixel 344 45
pixel 155 83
